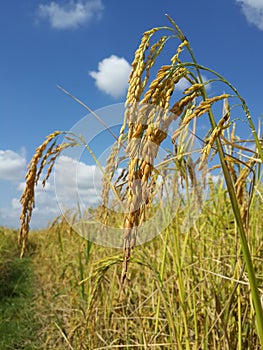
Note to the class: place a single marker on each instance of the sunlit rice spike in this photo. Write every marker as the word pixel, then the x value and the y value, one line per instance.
pixel 138 67
pixel 179 106
pixel 222 124
pixel 27 199
pixel 155 51
pixel 192 88
pixel 201 109
pixel 175 58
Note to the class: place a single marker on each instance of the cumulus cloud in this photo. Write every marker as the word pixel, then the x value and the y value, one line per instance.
pixel 112 76
pixel 77 183
pixel 9 217
pixel 73 185
pixel 72 14
pixel 12 165
pixel 45 210
pixel 253 10
pixel 184 84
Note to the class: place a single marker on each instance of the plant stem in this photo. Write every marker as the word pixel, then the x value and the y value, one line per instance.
pixel 230 187
pixel 234 202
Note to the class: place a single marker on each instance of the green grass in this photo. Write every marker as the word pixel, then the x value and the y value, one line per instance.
pixel 18 326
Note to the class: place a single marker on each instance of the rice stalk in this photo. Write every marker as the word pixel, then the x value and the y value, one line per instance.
pixel 151 108
pixel 229 182
pixel 218 130
pixel 32 177
pixel 146 130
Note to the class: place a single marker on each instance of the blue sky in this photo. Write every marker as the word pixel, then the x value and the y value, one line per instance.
pixel 87 47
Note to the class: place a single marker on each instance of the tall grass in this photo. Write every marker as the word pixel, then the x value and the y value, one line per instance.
pixel 182 290
pixel 197 285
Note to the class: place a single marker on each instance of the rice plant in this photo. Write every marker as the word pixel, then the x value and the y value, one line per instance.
pixel 206 307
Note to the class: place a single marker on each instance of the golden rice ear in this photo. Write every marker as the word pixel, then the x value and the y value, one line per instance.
pixel 27 199
pixel 193 88
pixel 217 132
pixel 200 110
pixel 138 68
pixel 147 126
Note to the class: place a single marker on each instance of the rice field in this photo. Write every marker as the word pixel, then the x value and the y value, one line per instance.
pixel 182 291
pixel 198 284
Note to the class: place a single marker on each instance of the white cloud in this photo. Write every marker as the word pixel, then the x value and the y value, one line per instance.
pixel 71 15
pixel 77 183
pixel 9 217
pixel 184 84
pixel 46 207
pixel 73 184
pixel 12 165
pixel 253 10
pixel 208 86
pixel 112 76
pixel 16 203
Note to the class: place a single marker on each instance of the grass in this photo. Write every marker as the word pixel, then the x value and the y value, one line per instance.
pixel 182 290
pixel 198 285
pixel 17 322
